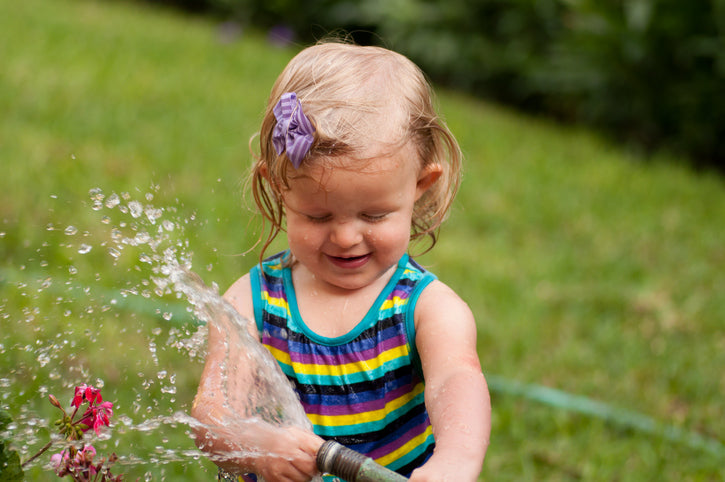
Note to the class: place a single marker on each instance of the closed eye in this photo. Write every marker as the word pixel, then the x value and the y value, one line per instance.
pixel 318 219
pixel 374 218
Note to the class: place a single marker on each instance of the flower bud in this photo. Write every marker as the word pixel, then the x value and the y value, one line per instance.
pixel 54 401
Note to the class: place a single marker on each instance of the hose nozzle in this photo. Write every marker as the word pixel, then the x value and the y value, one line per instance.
pixel 336 459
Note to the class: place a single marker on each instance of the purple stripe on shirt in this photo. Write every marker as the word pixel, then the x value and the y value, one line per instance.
pixel 356 408
pixel 279 294
pixel 398 442
pixel 341 358
pixel 402 294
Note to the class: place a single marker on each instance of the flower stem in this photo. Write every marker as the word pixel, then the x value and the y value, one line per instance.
pixel 38 454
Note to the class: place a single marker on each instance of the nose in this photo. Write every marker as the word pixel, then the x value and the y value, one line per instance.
pixel 346 234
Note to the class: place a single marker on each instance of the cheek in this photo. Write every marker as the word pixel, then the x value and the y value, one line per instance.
pixel 299 232
pixel 295 230
pixel 391 234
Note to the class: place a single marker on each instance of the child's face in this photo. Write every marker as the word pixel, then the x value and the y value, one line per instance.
pixel 348 227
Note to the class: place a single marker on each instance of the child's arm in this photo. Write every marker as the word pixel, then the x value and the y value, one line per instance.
pixel 456 393
pixel 236 443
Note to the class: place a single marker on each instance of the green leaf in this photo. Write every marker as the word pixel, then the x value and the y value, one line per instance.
pixel 10 468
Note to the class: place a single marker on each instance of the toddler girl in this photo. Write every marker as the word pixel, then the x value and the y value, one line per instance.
pixel 354 163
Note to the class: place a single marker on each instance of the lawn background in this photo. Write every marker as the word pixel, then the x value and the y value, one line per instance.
pixel 590 271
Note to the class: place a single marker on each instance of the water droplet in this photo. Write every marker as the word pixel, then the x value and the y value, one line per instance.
pixel 167 316
pixel 114 252
pixel 112 201
pixel 168 225
pixel 72 269
pixel 105 220
pixel 153 214
pixel 71 230
pixel 136 208
pixel 142 238
pixel 85 248
pixel 96 194
pixel 43 359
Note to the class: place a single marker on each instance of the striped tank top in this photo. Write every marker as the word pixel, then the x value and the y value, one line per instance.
pixel 363 389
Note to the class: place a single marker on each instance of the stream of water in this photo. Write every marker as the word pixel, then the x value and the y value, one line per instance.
pixel 142 340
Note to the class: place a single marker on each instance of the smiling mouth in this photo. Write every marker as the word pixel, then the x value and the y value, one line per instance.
pixel 349 261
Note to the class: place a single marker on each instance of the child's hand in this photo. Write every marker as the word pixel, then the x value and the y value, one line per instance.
pixel 288 455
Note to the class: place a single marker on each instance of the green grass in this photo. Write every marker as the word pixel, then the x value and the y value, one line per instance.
pixel 589 271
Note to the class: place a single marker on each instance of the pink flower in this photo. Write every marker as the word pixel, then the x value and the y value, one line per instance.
pixel 97 416
pixel 72 461
pixel 86 393
pixel 84 459
pixel 81 463
pixel 58 459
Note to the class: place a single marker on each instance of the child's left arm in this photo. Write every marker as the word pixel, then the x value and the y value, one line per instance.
pixel 456 394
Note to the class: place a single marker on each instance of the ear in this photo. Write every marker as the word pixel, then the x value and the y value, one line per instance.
pixel 427 176
pixel 264 171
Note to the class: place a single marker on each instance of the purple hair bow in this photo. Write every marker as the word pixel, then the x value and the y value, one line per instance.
pixel 293 132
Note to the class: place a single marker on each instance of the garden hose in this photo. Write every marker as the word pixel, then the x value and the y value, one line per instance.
pixel 338 460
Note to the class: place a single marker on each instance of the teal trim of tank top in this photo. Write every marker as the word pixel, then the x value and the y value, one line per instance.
pixel 370 318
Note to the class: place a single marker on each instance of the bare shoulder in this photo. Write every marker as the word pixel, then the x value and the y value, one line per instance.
pixel 445 331
pixel 239 295
pixel 438 303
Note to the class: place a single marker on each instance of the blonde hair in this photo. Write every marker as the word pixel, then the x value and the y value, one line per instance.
pixel 357 97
